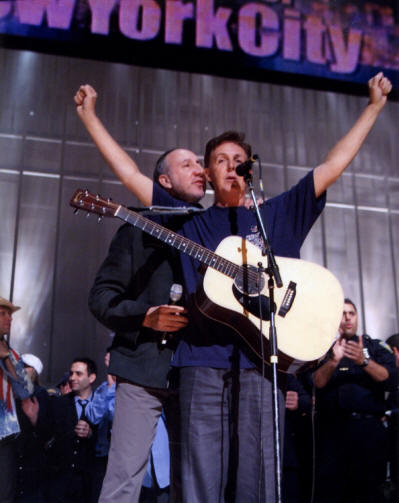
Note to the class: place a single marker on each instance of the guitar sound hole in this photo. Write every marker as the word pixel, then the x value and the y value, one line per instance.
pixel 251 303
pixel 246 288
pixel 249 284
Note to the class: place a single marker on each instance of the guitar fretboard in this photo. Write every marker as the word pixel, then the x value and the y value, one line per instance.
pixel 181 243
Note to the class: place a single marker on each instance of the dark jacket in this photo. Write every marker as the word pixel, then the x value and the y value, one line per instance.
pixel 31 454
pixel 136 274
pixel 69 458
pixel 352 390
pixel 64 449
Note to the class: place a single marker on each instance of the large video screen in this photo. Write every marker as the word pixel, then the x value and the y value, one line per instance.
pixel 336 44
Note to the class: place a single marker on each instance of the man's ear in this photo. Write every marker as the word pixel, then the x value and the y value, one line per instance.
pixel 92 378
pixel 164 181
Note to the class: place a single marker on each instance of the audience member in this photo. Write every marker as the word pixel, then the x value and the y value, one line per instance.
pixel 72 438
pixel 297 458
pixel 14 383
pixel 156 481
pixel 30 443
pixel 100 412
pixel 393 425
pixel 350 385
pixel 64 385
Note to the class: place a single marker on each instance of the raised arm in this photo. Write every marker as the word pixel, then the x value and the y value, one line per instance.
pixel 117 159
pixel 342 154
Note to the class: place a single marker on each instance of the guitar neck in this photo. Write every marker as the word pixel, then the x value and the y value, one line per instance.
pixel 181 243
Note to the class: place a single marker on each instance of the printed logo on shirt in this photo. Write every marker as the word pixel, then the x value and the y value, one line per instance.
pixel 255 237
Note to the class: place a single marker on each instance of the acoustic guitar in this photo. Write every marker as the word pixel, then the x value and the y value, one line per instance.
pixel 233 292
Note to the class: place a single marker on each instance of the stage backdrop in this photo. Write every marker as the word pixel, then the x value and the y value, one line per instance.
pixel 48 256
pixel 324 43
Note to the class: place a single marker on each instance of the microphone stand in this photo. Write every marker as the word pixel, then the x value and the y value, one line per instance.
pixel 273 272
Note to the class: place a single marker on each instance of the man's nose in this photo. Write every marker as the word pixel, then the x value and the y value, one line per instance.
pixel 231 165
pixel 199 170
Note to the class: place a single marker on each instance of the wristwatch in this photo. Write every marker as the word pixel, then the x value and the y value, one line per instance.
pixel 365 361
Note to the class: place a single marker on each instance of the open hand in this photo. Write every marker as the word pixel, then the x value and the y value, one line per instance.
pixel 339 349
pixel 354 351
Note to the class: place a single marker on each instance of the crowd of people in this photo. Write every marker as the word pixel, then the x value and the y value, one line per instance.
pixel 55 442
pixel 185 409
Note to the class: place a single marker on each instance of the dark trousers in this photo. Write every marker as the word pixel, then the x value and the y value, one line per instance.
pixel 97 476
pixel 350 459
pixel 393 454
pixel 224 456
pixel 70 486
pixel 8 465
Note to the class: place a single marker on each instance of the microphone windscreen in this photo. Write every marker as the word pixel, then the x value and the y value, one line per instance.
pixel 176 291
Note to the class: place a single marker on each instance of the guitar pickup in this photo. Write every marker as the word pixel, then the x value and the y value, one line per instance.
pixel 288 299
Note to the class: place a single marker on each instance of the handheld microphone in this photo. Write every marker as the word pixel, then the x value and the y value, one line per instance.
pixel 243 168
pixel 175 294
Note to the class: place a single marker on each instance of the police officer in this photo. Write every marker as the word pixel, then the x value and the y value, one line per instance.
pixel 351 441
pixel 393 425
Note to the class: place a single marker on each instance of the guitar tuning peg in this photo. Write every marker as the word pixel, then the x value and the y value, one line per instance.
pixel 76 211
pixel 87 215
pixel 99 219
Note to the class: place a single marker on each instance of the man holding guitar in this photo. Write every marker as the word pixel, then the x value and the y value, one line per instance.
pixel 227 452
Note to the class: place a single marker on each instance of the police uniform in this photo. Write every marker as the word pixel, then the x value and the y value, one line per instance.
pixel 393 440
pixel 351 438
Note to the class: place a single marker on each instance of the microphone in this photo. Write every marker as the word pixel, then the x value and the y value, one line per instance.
pixel 175 294
pixel 243 168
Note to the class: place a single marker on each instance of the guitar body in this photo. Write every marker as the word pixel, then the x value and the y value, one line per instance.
pixel 304 333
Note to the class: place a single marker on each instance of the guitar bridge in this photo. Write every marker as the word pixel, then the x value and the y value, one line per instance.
pixel 288 299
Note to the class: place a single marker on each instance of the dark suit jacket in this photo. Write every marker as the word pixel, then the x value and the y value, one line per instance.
pixel 136 274
pixel 70 459
pixel 66 451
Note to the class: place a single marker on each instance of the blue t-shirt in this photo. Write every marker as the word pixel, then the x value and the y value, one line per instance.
pixel 288 218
